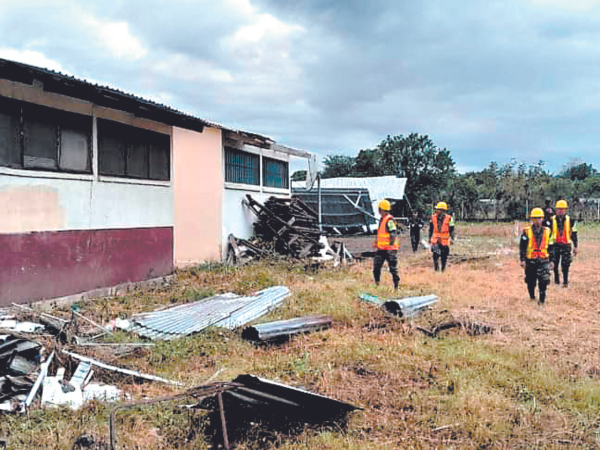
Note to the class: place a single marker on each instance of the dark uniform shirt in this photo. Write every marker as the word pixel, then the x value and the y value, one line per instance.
pixel 524 243
pixel 414 225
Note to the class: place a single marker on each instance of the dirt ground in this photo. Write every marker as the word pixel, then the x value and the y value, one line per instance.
pixel 358 244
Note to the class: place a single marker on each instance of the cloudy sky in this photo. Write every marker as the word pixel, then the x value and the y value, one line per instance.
pixel 489 80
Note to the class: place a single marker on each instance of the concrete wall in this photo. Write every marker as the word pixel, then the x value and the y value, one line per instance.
pixel 62 234
pixel 31 203
pixel 197 182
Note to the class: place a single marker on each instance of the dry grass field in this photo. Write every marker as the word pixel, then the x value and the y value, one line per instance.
pixel 535 384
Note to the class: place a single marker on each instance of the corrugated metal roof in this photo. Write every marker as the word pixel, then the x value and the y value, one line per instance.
pixel 226 310
pixel 112 98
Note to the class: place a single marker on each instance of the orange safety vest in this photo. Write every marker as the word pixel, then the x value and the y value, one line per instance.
pixel 535 251
pixel 383 236
pixel 565 236
pixel 444 233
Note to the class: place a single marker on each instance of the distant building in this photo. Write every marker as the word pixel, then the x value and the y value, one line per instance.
pixel 99 187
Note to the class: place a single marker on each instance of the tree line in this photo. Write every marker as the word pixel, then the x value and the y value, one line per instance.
pixel 498 192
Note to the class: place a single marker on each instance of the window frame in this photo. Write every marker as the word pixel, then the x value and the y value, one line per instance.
pixel 26 113
pixel 285 175
pixel 239 178
pixel 130 139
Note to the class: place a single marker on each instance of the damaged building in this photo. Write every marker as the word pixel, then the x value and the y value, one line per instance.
pixel 99 187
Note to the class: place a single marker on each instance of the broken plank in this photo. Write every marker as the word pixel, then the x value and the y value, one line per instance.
pixel 119 369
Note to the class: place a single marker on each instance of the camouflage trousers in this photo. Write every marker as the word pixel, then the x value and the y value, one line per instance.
pixel 392 258
pixel 562 257
pixel 440 252
pixel 537 271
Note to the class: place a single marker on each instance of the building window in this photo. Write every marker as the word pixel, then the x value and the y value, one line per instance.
pixel 37 137
pixel 275 173
pixel 126 151
pixel 242 167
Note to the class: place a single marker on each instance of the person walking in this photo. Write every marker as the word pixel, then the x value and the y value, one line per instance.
pixel 563 238
pixel 387 244
pixel 441 235
pixel 534 255
pixel 414 226
pixel 549 213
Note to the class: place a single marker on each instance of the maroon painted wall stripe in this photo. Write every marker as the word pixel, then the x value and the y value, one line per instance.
pixel 40 265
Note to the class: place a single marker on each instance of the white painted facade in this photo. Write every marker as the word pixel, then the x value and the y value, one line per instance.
pixel 238 219
pixel 48 201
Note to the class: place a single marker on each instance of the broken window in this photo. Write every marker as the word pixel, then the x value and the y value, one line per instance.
pixel 126 151
pixel 37 137
pixel 242 167
pixel 275 173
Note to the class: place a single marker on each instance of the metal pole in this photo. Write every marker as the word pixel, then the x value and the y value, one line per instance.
pixel 223 424
pixel 319 194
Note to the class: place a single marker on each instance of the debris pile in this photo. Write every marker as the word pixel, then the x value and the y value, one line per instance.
pixel 241 251
pixel 288 223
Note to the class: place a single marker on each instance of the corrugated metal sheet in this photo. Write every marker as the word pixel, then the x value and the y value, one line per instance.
pixel 336 209
pixel 227 311
pixel 410 306
pixel 379 187
pixel 405 307
pixel 256 399
pixel 285 328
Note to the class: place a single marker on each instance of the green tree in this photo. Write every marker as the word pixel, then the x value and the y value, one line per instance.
pixel 338 166
pixel 428 169
pixel 579 172
pixel 366 164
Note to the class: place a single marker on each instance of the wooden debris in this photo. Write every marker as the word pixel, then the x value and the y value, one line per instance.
pixel 241 251
pixel 472 328
pixel 288 223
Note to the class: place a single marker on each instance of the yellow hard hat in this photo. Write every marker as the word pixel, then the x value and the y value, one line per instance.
pixel 562 204
pixel 441 205
pixel 536 213
pixel 385 205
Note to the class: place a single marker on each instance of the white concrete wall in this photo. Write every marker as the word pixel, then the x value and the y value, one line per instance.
pixel 36 201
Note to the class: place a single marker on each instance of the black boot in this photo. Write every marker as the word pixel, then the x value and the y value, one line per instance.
pixel 531 290
pixel 542 297
pixel 565 277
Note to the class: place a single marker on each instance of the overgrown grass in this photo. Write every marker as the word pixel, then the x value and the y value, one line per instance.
pixel 534 385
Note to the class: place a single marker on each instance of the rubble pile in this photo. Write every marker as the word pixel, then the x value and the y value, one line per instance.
pixel 288 223
pixel 42 366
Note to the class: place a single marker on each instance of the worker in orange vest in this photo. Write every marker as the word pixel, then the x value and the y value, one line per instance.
pixel 441 234
pixel 563 237
pixel 387 244
pixel 535 256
